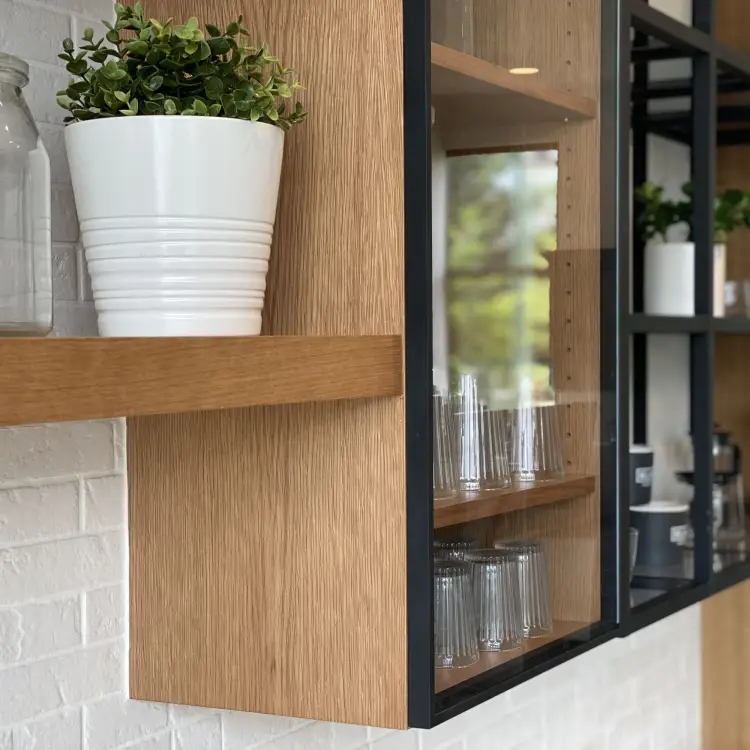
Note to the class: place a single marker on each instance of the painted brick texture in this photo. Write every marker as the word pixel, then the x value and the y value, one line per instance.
pixel 63 571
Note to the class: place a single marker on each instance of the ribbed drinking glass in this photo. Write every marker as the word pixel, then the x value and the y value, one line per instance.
pixel 534 585
pixel 455 622
pixel 497 598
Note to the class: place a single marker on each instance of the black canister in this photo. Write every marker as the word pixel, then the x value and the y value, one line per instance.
pixel 663 531
pixel 641 474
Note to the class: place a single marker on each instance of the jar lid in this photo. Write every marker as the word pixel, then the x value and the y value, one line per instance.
pixel 16 67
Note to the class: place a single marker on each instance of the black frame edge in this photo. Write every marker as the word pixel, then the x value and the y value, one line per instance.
pixel 418 362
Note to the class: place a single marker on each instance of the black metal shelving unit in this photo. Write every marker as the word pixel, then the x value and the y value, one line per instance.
pixel 715 69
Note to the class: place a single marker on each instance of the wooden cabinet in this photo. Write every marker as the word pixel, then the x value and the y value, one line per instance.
pixel 443 213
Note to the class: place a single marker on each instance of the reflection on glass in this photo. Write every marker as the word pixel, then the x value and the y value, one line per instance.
pixel 452 24
pixel 491 308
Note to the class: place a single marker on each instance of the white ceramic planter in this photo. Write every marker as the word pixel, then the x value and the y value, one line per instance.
pixel 177 218
pixel 669 273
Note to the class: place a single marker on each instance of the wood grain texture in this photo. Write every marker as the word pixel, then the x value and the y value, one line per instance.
pixel 252 584
pixel 461 509
pixel 448 678
pixel 259 590
pixel 725 658
pixel 57 380
pixel 559 38
pixel 465 86
pixel 732 353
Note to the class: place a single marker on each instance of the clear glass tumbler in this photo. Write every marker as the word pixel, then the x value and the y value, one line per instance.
pixel 536 448
pixel 497 598
pixel 451 549
pixel 444 454
pixel 25 214
pixel 455 621
pixel 534 585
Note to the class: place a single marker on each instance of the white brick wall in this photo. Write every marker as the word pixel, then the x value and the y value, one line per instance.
pixel 63 611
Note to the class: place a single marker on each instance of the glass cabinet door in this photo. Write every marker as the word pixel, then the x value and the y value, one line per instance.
pixel 522 389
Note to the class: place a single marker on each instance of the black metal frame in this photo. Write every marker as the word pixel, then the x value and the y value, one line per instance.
pixel 660 37
pixel 425 709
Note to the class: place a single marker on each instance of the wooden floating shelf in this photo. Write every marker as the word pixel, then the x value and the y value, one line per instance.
pixel 61 380
pixel 448 678
pixel 465 88
pixel 454 510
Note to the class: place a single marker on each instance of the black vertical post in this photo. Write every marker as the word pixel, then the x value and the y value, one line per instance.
pixel 611 100
pixel 704 15
pixel 624 197
pixel 640 175
pixel 702 344
pixel 418 361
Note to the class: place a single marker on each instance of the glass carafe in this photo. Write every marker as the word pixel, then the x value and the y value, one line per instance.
pixel 25 215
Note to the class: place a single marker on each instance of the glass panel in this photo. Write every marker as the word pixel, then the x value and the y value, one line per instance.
pixel 661 467
pixel 515 411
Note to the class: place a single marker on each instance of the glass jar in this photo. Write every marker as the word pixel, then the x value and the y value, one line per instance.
pixel 25 214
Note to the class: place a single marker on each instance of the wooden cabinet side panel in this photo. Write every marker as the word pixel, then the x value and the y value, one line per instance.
pixel 268 546
pixel 725 620
pixel 267 560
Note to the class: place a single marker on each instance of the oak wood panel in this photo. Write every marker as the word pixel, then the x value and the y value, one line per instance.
pixel 732 353
pixel 561 39
pixel 464 508
pixel 252 584
pixel 286 606
pixel 448 678
pixel 725 620
pixel 55 380
pixel 476 87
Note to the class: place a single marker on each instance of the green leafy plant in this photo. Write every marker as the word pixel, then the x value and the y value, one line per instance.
pixel 731 211
pixel 147 67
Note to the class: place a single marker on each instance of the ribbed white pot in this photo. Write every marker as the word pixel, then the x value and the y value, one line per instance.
pixel 669 278
pixel 177 218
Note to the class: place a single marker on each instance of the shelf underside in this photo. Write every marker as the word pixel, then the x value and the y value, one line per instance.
pixel 464 508
pixel 467 89
pixel 60 380
pixel 448 678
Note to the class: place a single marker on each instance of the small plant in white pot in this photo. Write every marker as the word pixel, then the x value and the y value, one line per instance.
pixel 175 142
pixel 669 267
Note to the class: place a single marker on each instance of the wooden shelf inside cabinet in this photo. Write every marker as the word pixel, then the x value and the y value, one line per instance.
pixel 59 380
pixel 448 678
pixel 461 509
pixel 468 87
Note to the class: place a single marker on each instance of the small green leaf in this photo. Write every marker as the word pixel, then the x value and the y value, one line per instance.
pixel 214 109
pixel 170 108
pixel 137 47
pixel 191 48
pixel 134 106
pixel 77 68
pixel 113 71
pixel 219 46
pixel 213 30
pixel 84 114
pixel 214 87
pixel 192 22
pixel 113 36
pixel 122 96
pixel 187 112
pixel 88 34
pixel 200 108
pixel 65 101
pixel 183 32
pixel 138 9
pixel 155 82
pixel 68 45
pixel 233 29
pixel 255 114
